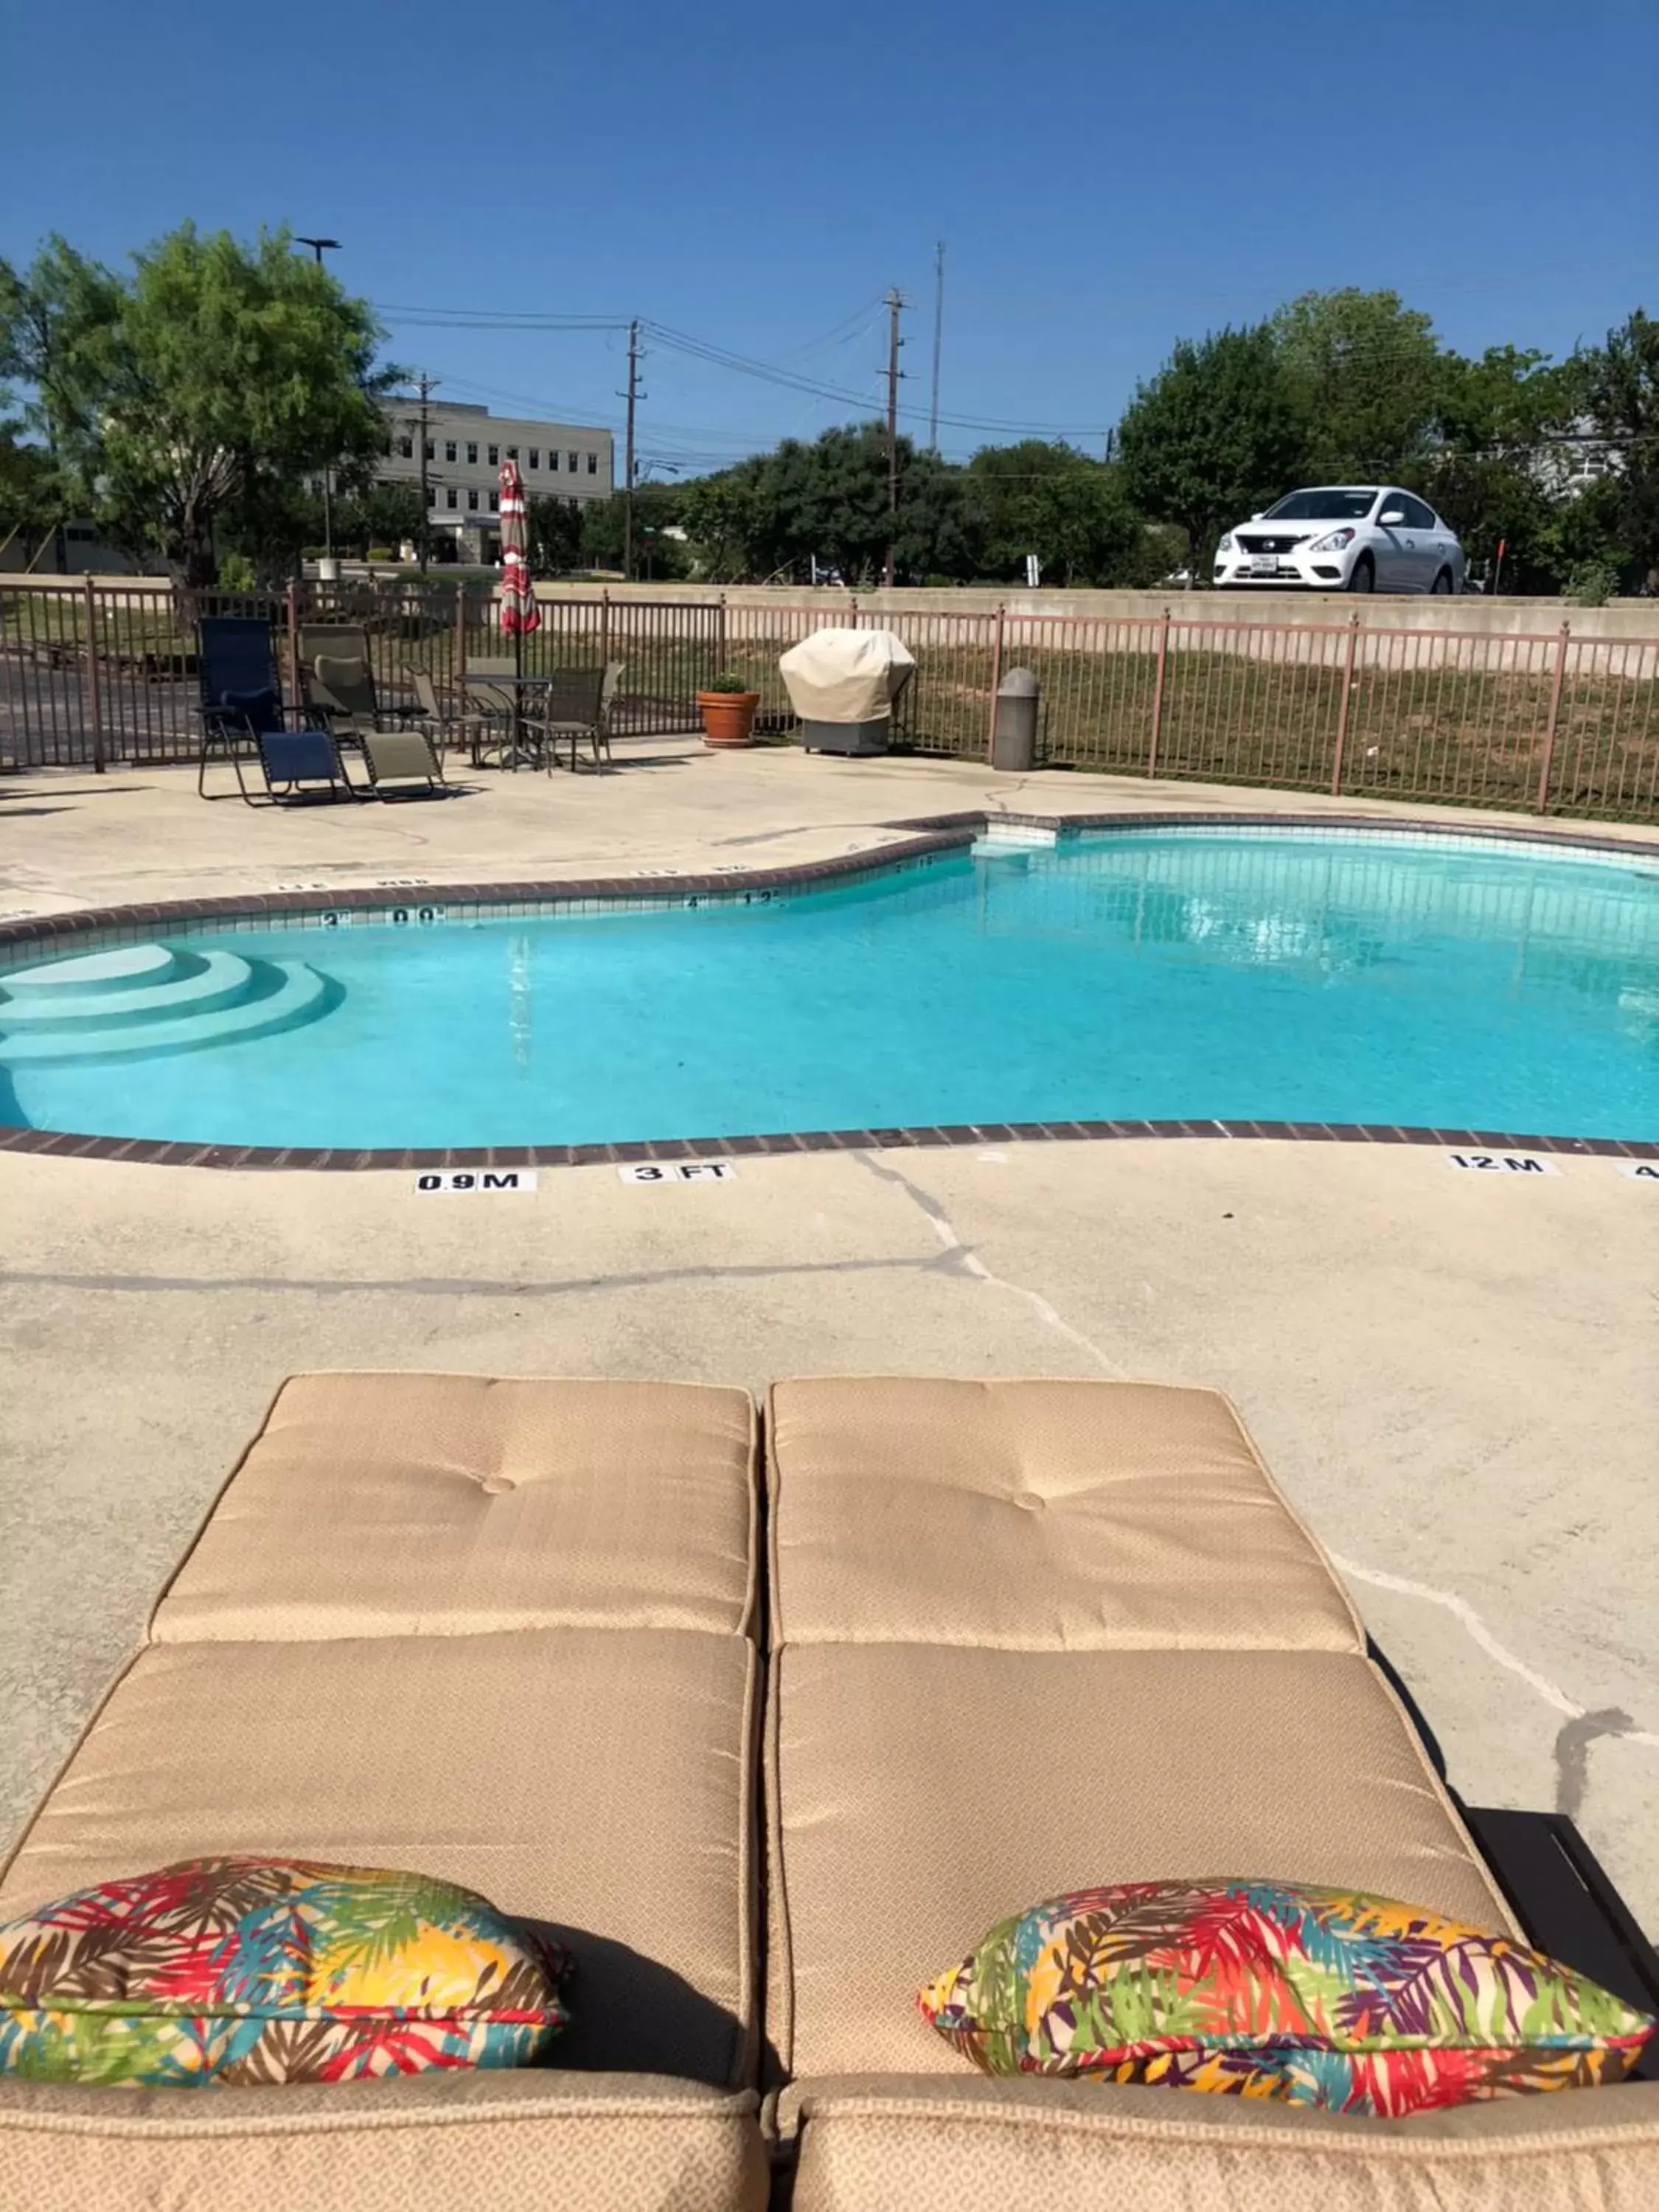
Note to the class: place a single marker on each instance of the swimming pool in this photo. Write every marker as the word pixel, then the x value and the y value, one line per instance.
pixel 1246 975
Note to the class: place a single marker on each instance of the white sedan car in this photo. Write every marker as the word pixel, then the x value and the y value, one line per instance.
pixel 1346 538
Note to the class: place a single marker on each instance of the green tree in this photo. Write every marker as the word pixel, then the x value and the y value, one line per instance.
pixel 1621 405
pixel 29 498
pixel 657 557
pixel 824 503
pixel 195 395
pixel 1364 372
pixel 1051 500
pixel 555 530
pixel 1496 468
pixel 52 316
pixel 1214 436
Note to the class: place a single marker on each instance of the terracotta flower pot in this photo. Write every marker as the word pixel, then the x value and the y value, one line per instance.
pixel 728 717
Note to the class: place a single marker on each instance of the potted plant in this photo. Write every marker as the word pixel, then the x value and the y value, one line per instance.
pixel 727 707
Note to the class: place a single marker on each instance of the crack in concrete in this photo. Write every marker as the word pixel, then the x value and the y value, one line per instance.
pixel 964 1260
pixel 1580 1727
pixel 472 1285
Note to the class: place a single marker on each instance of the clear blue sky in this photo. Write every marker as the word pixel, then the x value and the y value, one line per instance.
pixel 1108 177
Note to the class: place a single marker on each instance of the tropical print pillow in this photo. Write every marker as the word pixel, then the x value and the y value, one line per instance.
pixel 239 1970
pixel 1254 1989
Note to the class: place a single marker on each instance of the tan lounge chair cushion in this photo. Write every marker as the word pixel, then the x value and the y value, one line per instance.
pixel 489 2144
pixel 447 1505
pixel 598 1780
pixel 919 1793
pixel 974 2146
pixel 1057 1517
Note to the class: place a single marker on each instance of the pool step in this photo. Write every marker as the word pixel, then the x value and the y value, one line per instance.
pixel 123 968
pixel 275 995
pixel 217 979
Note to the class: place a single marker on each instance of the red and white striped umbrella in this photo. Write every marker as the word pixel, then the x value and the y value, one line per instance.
pixel 519 612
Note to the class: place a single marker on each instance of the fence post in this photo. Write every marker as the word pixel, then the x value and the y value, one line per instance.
pixel 457 650
pixel 996 681
pixel 604 627
pixel 719 631
pixel 853 610
pixel 95 696
pixel 1541 804
pixel 1342 711
pixel 1157 694
pixel 292 615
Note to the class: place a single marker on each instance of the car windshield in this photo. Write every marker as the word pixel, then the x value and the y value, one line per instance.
pixel 1325 506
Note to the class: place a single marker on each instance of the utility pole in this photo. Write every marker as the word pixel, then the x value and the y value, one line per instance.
pixel 633 395
pixel 319 247
pixel 894 304
pixel 425 388
pixel 939 335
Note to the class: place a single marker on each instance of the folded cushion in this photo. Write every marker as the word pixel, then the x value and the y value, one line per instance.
pixel 447 1505
pixel 1310 1996
pixel 1040 1516
pixel 235 1970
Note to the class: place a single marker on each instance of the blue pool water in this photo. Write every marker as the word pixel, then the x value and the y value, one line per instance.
pixel 1265 975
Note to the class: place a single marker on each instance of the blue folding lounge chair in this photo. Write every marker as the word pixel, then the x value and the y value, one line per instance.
pixel 242 702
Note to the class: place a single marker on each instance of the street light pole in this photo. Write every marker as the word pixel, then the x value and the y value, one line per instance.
pixel 320 247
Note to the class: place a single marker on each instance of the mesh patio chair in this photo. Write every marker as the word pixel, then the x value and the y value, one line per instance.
pixel 574 705
pixel 438 719
pixel 242 705
pixel 337 679
pixel 340 690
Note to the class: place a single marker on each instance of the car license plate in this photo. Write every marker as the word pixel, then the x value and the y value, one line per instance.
pixel 1263 564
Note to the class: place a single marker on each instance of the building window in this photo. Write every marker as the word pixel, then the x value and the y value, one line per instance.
pixel 495 455
pixel 472 501
pixel 592 464
pixel 472 454
pixel 535 457
pixel 430 454
pixel 512 452
pixel 552 459
pixel 449 449
pixel 571 459
pixel 452 497
pixel 494 502
pixel 406 447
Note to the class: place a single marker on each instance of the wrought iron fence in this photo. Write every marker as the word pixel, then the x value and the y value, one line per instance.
pixel 97 673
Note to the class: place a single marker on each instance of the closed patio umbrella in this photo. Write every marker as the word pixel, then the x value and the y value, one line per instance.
pixel 519 612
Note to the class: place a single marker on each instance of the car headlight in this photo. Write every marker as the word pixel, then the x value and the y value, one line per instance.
pixel 1335 543
pixel 1224 543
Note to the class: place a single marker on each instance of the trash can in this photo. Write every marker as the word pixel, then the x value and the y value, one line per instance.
pixel 842 684
pixel 1014 732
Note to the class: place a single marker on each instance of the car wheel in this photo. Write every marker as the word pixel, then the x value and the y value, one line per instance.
pixel 1443 585
pixel 1363 577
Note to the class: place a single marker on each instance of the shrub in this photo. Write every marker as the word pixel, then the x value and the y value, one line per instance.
pixel 1593 583
pixel 726 682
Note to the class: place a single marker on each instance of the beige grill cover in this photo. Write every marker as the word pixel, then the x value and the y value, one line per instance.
pixel 845 675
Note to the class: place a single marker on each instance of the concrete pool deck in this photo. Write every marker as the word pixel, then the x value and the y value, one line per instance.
pixel 1452 1374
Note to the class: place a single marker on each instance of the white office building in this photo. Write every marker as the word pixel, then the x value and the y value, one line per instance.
pixel 465 447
